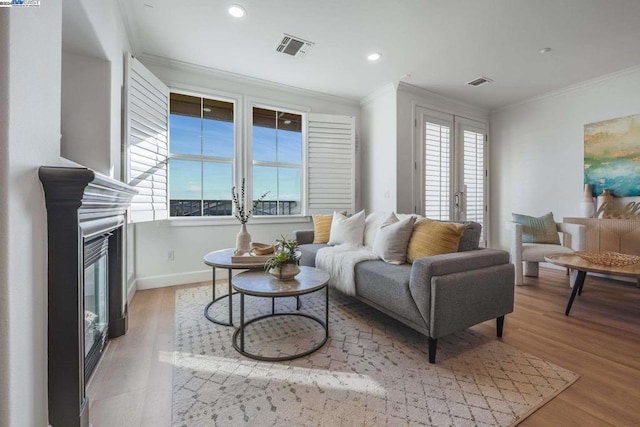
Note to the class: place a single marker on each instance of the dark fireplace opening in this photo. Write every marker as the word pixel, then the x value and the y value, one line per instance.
pixel 95 300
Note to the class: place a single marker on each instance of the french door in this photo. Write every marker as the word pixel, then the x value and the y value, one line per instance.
pixel 451 178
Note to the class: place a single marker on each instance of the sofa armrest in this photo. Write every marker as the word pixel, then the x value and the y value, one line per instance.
pixel 457 262
pixel 303 236
pixel 463 266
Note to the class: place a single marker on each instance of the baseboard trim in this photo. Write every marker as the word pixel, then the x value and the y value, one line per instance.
pixel 165 280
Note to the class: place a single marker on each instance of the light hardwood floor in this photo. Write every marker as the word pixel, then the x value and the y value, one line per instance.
pixel 600 340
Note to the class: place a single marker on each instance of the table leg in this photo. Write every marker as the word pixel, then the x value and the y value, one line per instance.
pixel 576 287
pixel 241 321
pixel 213 284
pixel 273 305
pixel 230 298
pixel 326 312
pixel 298 302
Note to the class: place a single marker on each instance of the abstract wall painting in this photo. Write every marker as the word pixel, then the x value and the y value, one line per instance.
pixel 612 156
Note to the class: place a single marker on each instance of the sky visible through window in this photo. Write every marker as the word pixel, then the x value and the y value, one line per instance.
pixel 196 180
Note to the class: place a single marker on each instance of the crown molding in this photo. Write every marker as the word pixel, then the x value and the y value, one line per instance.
pixel 391 86
pixel 572 88
pixel 455 106
pixel 240 78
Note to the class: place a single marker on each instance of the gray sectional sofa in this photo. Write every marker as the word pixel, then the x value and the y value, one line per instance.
pixel 436 295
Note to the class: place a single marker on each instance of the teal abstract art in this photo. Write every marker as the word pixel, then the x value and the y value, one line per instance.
pixel 612 156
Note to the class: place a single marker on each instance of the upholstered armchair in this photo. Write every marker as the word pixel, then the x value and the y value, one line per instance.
pixel 531 254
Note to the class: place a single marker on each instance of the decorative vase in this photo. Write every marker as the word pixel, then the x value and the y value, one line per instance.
pixel 285 271
pixel 587 207
pixel 243 240
pixel 605 203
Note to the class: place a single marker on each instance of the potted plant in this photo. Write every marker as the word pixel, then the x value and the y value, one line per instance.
pixel 243 239
pixel 284 263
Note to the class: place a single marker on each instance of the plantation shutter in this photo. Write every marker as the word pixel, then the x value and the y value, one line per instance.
pixel 437 168
pixel 331 164
pixel 146 146
pixel 472 136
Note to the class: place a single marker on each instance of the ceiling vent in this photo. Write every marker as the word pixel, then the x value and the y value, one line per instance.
pixel 479 81
pixel 294 46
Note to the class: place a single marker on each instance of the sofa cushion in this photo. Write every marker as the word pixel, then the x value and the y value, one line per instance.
pixel 470 240
pixel 347 230
pixel 538 230
pixel 387 285
pixel 308 253
pixel 392 238
pixel 431 237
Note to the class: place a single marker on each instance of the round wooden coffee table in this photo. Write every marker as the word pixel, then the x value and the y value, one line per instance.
pixel 261 284
pixel 582 266
pixel 222 259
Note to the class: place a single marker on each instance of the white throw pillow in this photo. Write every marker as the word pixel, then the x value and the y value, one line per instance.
pixel 371 226
pixel 348 231
pixel 392 239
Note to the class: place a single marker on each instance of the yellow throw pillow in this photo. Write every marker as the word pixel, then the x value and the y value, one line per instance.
pixel 431 237
pixel 322 227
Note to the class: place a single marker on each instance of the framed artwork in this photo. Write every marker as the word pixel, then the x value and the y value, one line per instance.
pixel 612 156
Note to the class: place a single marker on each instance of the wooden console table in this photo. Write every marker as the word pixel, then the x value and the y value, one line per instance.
pixel 616 235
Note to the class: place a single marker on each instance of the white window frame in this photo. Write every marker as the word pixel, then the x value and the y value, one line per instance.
pixel 248 146
pixel 192 157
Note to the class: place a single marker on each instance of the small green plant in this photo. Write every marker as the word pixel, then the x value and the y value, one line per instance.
pixel 287 253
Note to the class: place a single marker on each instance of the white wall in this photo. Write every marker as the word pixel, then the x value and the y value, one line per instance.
pixel 94 42
pixel 30 48
pixel 30 126
pixel 537 148
pixel 154 240
pixel 378 153
pixel 86 109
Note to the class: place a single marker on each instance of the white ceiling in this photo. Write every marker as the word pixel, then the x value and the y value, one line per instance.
pixel 441 44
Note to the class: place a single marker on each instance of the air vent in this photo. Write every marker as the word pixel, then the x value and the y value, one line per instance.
pixel 479 81
pixel 294 46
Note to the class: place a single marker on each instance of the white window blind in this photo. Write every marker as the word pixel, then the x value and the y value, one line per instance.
pixel 145 152
pixel 331 163
pixel 437 169
pixel 474 175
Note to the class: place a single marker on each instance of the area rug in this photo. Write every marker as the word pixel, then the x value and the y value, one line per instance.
pixel 373 371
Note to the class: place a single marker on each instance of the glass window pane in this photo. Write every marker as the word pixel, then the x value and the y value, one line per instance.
pixel 217 183
pixel 265 178
pixel 185 124
pixel 289 146
pixel 185 187
pixel 290 191
pixel 264 134
pixel 217 128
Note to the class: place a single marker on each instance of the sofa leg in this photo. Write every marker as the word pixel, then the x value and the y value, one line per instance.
pixel 433 345
pixel 499 325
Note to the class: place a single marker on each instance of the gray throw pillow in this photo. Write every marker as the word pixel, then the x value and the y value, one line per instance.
pixel 538 230
pixel 392 239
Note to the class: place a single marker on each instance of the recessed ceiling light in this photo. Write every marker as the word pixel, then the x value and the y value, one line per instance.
pixel 237 11
pixel 206 109
pixel 545 50
pixel 373 56
pixel 287 122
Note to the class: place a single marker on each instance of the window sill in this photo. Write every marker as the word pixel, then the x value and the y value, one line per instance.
pixel 206 221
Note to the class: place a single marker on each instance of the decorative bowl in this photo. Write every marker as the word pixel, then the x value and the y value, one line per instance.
pixel 262 248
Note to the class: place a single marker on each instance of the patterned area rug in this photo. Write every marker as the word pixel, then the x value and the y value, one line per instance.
pixel 373 371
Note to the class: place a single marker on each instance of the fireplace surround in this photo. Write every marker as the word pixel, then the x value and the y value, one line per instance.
pixel 87 299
